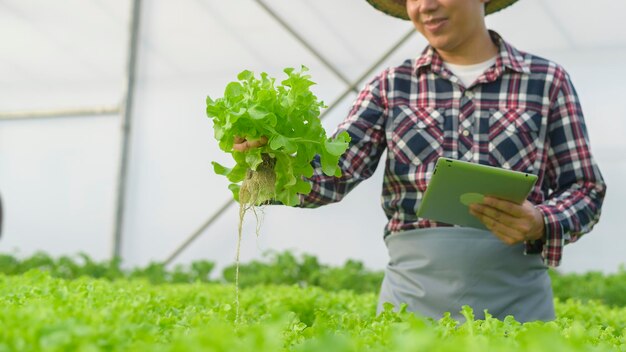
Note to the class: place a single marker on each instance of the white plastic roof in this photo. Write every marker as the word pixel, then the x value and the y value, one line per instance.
pixel 77 45
pixel 58 176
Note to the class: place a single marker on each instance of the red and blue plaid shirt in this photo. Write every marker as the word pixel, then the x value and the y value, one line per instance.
pixel 522 114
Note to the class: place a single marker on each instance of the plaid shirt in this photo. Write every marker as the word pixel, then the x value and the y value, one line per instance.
pixel 522 114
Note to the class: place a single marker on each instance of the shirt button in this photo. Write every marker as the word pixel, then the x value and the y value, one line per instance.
pixel 469 94
pixel 465 133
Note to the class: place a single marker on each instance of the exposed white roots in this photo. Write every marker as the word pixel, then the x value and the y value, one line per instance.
pixel 256 189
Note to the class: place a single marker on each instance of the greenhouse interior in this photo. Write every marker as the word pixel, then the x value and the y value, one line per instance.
pixel 108 154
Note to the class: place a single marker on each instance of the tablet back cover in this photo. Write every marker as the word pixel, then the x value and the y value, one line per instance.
pixel 455 184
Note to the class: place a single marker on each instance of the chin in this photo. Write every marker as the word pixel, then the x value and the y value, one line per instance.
pixel 440 44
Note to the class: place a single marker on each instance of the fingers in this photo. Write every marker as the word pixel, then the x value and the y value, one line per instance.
pixel 505 206
pixel 508 228
pixel 241 144
pixel 506 235
pixel 255 143
pixel 240 147
pixel 494 214
pixel 499 223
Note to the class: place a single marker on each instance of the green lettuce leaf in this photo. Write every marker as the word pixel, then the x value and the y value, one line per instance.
pixel 288 115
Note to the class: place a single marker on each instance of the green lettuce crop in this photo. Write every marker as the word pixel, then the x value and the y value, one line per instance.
pixel 288 115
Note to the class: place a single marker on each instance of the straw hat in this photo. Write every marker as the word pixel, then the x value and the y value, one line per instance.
pixel 397 8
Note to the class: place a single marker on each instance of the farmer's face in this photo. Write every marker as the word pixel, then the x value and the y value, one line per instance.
pixel 448 25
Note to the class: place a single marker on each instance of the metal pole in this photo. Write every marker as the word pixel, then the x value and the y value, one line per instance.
pixel 352 86
pixel 199 231
pixel 302 41
pixel 367 73
pixel 63 112
pixel 127 108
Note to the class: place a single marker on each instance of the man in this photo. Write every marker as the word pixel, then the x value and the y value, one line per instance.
pixel 474 97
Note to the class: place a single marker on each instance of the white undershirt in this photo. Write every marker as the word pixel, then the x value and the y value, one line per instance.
pixel 469 73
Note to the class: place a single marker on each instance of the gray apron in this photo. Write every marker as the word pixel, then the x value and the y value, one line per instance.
pixel 439 270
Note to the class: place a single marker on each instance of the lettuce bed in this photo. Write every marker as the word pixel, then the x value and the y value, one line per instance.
pixel 39 312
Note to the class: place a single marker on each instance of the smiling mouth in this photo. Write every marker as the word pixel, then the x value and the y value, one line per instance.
pixel 435 24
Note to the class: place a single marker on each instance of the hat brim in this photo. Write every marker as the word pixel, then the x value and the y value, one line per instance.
pixel 397 8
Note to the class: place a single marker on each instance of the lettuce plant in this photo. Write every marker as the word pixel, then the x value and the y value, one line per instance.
pixel 288 116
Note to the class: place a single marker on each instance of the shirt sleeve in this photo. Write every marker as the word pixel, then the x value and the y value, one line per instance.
pixel 366 127
pixel 575 188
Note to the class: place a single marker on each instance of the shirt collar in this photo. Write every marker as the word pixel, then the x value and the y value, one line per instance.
pixel 508 57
